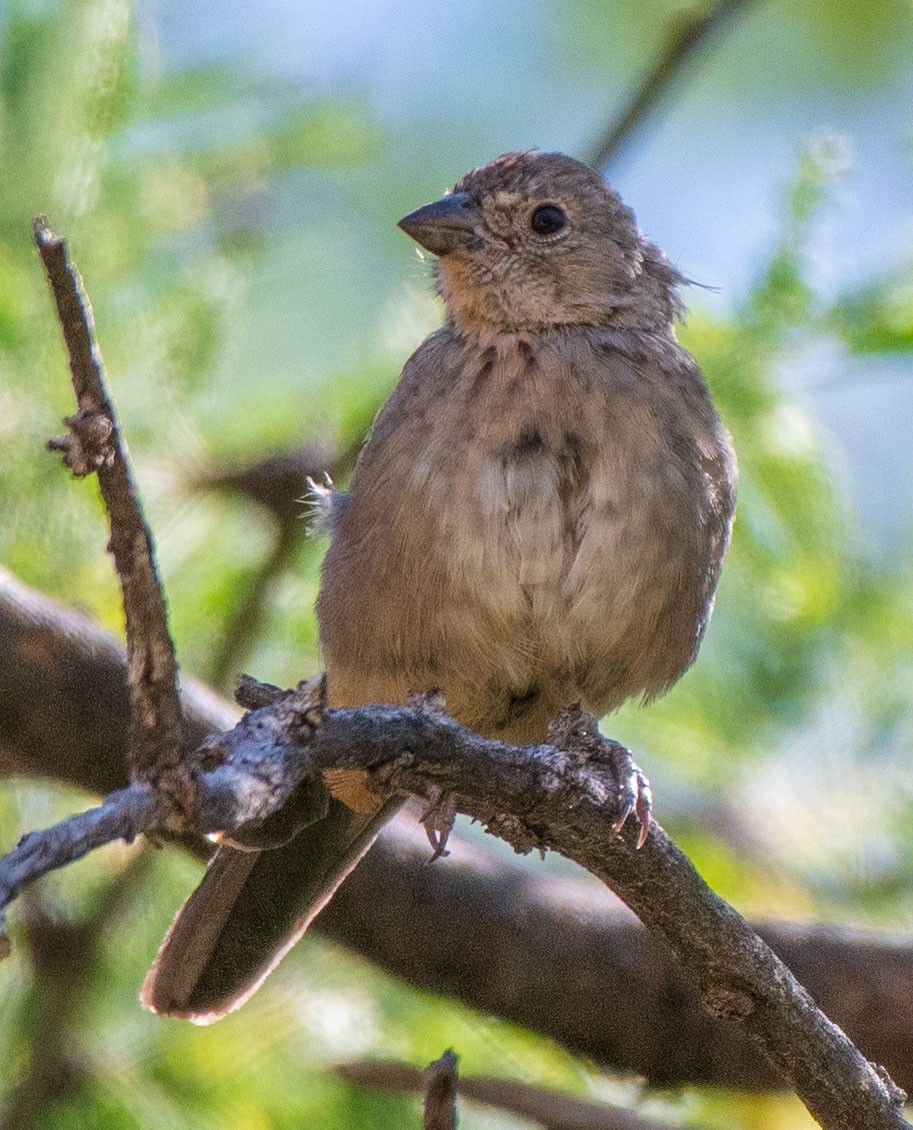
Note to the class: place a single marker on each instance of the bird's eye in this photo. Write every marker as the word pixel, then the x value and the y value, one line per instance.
pixel 548 219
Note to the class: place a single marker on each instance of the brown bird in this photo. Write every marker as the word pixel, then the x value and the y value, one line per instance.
pixel 538 519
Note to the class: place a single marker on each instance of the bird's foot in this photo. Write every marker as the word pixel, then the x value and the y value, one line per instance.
pixel 576 731
pixel 427 702
pixel 437 819
pixel 440 810
pixel 635 794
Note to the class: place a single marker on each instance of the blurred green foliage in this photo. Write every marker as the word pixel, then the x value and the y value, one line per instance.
pixel 165 185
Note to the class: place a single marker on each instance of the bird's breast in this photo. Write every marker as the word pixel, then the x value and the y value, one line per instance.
pixel 527 528
pixel 562 521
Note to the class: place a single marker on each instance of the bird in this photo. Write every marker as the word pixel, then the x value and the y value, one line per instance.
pixel 538 519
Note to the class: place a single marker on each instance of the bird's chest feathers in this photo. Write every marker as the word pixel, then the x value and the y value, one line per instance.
pixel 526 495
pixel 541 487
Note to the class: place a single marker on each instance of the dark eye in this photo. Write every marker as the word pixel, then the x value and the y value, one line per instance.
pixel 548 219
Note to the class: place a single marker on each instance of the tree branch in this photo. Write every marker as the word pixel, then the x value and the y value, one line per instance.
pixel 276 484
pixel 64 695
pixel 93 445
pixel 690 33
pixel 531 796
pixel 548 952
pixel 541 951
pixel 122 816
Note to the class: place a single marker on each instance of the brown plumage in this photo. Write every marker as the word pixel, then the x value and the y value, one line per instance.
pixel 539 518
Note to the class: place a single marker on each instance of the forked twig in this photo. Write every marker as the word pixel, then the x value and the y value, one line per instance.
pixel 93 445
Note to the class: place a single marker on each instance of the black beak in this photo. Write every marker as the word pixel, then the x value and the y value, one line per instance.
pixel 445 225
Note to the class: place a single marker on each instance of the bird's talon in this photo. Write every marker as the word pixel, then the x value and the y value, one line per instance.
pixel 643 808
pixel 635 794
pixel 427 702
pixel 437 820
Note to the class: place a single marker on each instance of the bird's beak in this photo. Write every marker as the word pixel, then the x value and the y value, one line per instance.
pixel 445 225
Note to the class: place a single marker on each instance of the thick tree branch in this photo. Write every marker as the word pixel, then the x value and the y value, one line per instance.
pixel 533 796
pixel 64 695
pixel 560 955
pixel 690 33
pixel 93 445
pixel 540 951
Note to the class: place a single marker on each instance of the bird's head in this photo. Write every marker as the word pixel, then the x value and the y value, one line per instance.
pixel 536 240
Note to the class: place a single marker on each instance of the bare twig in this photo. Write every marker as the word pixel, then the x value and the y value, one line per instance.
pixel 241 629
pixel 440 1087
pixel 691 32
pixel 531 796
pixel 542 1106
pixel 276 483
pixel 93 445
pixel 541 951
pixel 123 816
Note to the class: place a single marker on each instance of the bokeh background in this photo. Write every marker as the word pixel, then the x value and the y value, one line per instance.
pixel 229 177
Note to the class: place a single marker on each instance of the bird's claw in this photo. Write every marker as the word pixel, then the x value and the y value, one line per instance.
pixel 576 730
pixel 437 820
pixel 427 702
pixel 635 794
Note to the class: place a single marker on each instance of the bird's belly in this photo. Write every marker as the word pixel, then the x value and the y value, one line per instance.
pixel 557 590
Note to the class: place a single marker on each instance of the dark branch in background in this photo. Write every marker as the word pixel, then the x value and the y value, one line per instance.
pixel 276 483
pixel 557 955
pixel 93 445
pixel 68 966
pixel 439 1082
pixel 690 33
pixel 243 627
pixel 64 695
pixel 544 1107
pixel 532 796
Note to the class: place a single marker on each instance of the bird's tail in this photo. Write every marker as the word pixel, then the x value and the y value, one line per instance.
pixel 249 910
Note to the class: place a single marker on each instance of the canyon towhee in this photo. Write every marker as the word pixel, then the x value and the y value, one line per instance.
pixel 538 519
